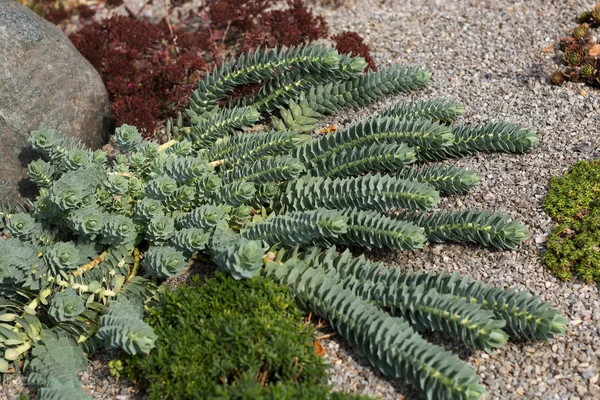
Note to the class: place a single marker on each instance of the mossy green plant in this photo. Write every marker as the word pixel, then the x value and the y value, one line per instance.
pixel 248 334
pixel 573 201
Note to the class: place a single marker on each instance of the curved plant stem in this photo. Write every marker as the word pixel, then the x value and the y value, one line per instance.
pixel 126 174
pixel 165 146
pixel 136 264
pixel 91 264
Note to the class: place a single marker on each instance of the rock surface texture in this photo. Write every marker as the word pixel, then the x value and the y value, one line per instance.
pixel 44 81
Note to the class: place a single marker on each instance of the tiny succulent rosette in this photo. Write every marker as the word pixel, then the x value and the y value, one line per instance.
pixel 241 259
pixel 239 215
pixel 208 185
pixel 119 229
pixel 122 204
pixel 21 225
pixel 163 262
pixel 156 164
pixel 147 209
pixel 67 197
pixel 122 327
pixel 190 240
pixel 43 140
pixel 117 184
pixel 161 188
pixel 587 70
pixel 89 201
pixel 182 198
pixel 62 256
pixel 138 162
pixel 76 158
pixel 88 221
pixel 16 260
pixel 160 229
pixel 183 148
pixel 134 339
pixel 127 138
pixel 99 157
pixel 265 193
pixel 237 193
pixel 204 217
pixel 40 172
pixel 150 150
pixel 136 187
pixel 580 31
pixel 573 56
pixel 121 163
pixel 44 208
pixel 66 305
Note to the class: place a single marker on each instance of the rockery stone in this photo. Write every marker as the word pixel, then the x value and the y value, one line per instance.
pixel 44 81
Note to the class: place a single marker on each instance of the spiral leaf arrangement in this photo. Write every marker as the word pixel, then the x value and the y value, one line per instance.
pixel 581 51
pixel 78 267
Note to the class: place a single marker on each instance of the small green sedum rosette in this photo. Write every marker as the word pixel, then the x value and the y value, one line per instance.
pixel 161 188
pixel 66 306
pixel 62 256
pixel 21 225
pixel 43 140
pixel 241 259
pixel 117 184
pixel 127 138
pixel 119 230
pixel 88 221
pixel 190 240
pixel 76 158
pixel 163 262
pixel 147 209
pixel 41 173
pixel 160 229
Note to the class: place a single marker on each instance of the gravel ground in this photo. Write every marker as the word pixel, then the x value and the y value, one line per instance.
pixel 486 55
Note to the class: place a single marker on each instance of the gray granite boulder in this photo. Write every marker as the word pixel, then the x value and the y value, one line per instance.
pixel 44 81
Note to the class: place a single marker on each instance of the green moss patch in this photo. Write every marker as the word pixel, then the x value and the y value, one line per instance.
pixel 573 201
pixel 230 339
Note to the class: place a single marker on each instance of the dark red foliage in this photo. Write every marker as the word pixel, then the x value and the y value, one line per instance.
pixel 113 3
pixel 244 91
pixel 289 27
pixel 140 111
pixel 85 12
pixel 146 79
pixel 150 69
pixel 58 12
pixel 353 43
pixel 239 14
pixel 55 13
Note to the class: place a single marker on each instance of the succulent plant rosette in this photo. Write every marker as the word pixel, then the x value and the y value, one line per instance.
pixel 580 52
pixel 275 200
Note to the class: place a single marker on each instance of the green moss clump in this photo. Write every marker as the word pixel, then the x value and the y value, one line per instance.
pixel 574 202
pixel 228 339
pixel 249 388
